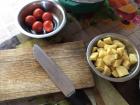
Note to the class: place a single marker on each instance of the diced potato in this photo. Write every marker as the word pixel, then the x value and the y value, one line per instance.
pixel 107 40
pixel 99 63
pixel 115 74
pixel 102 53
pixel 109 59
pixel 106 71
pixel 126 64
pixel 133 58
pixel 109 51
pixel 114 51
pixel 125 55
pixel 100 43
pixel 106 60
pixel 99 49
pixel 100 69
pixel 117 63
pixel 106 68
pixel 112 68
pixel 115 56
pixel 94 49
pixel 118 43
pixel 122 71
pixel 94 56
pixel 110 47
pixel 120 51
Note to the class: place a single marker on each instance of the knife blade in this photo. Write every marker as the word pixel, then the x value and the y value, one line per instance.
pixel 57 76
pixel 87 1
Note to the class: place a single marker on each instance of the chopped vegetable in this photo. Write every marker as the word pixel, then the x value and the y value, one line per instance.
pixel 111 57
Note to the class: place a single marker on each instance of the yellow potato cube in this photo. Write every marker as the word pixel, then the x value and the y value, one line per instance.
pixel 112 68
pixel 106 68
pixel 126 64
pixel 99 63
pixel 99 49
pixel 115 74
pixel 125 55
pixel 117 63
pixel 118 43
pixel 107 40
pixel 122 71
pixel 110 47
pixel 94 49
pixel 109 59
pixel 102 53
pixel 106 60
pixel 94 56
pixel 120 51
pixel 100 43
pixel 109 51
pixel 114 51
pixel 106 71
pixel 116 56
pixel 100 69
pixel 133 58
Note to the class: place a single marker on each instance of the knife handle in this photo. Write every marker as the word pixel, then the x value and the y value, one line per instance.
pixel 75 100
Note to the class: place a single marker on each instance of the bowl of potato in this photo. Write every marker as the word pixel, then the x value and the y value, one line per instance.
pixel 113 57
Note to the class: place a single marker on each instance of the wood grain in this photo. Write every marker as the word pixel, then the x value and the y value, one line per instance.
pixel 109 94
pixel 22 76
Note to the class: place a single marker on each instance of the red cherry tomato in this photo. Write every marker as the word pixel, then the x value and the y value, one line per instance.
pixel 47 16
pixel 37 26
pixel 29 20
pixel 48 26
pixel 37 13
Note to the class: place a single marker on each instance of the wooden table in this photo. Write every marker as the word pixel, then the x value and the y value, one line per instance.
pixel 83 30
pixel 130 89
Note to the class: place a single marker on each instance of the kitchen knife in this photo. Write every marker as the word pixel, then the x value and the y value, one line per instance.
pixel 57 76
pixel 87 1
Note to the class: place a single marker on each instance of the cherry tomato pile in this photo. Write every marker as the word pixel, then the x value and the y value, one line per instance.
pixel 39 21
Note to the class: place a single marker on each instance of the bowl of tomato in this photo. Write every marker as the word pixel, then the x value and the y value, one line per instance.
pixel 41 18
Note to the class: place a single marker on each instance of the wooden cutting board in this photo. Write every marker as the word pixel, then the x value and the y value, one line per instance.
pixel 22 76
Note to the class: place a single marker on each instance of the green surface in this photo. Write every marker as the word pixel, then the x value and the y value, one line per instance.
pixel 79 7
